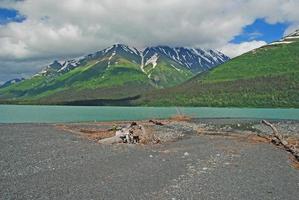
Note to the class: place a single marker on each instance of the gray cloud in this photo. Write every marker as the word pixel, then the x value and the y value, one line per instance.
pixel 17 69
pixel 64 28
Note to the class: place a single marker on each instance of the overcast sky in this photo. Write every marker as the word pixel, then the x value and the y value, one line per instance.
pixel 34 32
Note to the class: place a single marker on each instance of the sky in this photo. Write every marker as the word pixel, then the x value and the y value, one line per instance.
pixel 35 32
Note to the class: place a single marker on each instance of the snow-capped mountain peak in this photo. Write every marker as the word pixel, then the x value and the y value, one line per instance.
pixel 69 65
pixel 292 36
pixel 295 33
pixel 194 59
pixel 197 60
pixel 59 67
pixel 131 50
pixel 287 39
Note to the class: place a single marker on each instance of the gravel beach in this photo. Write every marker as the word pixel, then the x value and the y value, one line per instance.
pixel 41 161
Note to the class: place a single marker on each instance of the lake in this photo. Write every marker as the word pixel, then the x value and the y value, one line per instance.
pixel 52 114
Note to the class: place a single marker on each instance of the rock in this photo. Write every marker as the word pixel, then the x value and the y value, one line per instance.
pixel 186 154
pixel 133 124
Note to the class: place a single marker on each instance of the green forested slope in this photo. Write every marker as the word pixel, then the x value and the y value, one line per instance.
pixel 265 77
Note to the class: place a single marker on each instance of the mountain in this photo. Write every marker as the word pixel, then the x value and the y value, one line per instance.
pixel 117 72
pixel 12 81
pixel 264 77
pixel 293 37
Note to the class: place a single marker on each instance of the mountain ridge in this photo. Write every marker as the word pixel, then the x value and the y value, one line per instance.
pixel 205 58
pixel 118 71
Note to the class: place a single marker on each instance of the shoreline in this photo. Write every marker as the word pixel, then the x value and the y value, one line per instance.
pixel 43 161
pixel 198 119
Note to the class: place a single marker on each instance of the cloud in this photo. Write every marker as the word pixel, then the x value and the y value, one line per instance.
pixel 254 35
pixel 233 50
pixel 67 28
pixel 16 69
pixel 55 27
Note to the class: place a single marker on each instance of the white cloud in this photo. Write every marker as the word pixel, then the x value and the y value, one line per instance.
pixel 233 50
pixel 76 26
pixel 66 28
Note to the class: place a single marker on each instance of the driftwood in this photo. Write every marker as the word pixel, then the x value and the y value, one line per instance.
pixel 111 140
pixel 156 122
pixel 127 134
pixel 279 140
pixel 142 129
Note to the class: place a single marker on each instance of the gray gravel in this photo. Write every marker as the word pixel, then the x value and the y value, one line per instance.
pixel 284 127
pixel 38 161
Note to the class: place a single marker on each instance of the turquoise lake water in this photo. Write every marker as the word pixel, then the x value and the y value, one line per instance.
pixel 52 114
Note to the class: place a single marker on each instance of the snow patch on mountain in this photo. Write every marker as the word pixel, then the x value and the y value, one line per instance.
pixel 295 33
pixel 142 63
pixel 110 58
pixel 108 49
pixel 281 42
pixel 153 60
pixel 175 67
pixel 69 65
pixel 293 37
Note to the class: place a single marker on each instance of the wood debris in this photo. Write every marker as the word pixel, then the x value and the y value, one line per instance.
pixel 130 134
pixel 279 140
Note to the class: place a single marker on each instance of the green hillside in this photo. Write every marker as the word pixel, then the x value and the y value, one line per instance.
pixel 167 73
pixel 82 83
pixel 265 77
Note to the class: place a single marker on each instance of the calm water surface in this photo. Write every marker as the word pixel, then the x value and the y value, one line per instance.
pixel 50 114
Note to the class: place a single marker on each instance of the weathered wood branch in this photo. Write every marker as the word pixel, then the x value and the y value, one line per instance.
pixel 111 140
pixel 275 133
pixel 156 122
pixel 281 141
pixel 142 129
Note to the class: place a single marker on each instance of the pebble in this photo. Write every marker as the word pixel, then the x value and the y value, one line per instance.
pixel 186 154
pixel 150 156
